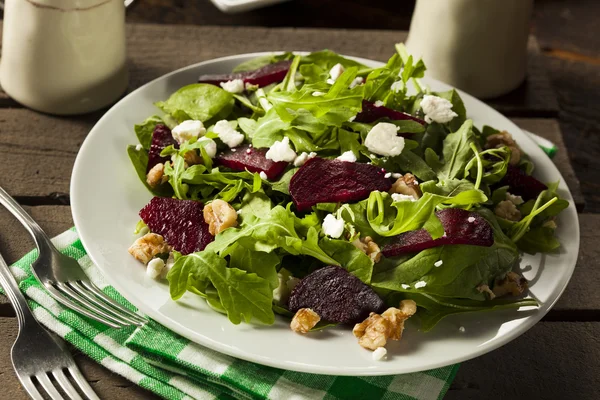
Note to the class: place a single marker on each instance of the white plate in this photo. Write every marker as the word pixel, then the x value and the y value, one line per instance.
pixel 106 196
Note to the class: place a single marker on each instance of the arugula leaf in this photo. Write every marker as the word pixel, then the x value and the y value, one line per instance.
pixel 326 59
pixel 261 263
pixel 450 187
pixel 175 170
pixel 139 159
pixel 262 61
pixel 283 184
pixel 198 101
pixel 380 80
pixel 257 204
pixel 191 270
pixel 145 130
pixel 407 161
pixel 351 258
pixel 456 151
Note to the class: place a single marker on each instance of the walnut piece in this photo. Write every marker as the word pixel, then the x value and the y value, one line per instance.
pixel 502 139
pixel 156 175
pixel 219 215
pixel 148 246
pixel 506 209
pixel 192 158
pixel 375 331
pixel 407 185
pixel 513 284
pixel 304 320
pixel 369 247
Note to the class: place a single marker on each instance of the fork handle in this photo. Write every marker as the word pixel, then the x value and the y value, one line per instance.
pixel 42 241
pixel 19 303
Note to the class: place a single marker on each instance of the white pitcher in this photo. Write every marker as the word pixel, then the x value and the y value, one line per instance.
pixel 479 46
pixel 64 56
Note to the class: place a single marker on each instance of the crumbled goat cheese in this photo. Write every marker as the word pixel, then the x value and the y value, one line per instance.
pixel 462 329
pixel 420 284
pixel 403 197
pixel 388 175
pixel 318 94
pixel 347 156
pixel 397 86
pixel 139 147
pixel 248 151
pixel 471 220
pixel 383 139
pixel 187 130
pixel 155 267
pixel 352 118
pixel 357 81
pixel 336 71
pixel 210 146
pixel 234 86
pixel 332 226
pixel 378 103
pixel 227 134
pixel 263 176
pixel 281 151
pixel 516 200
pixel 168 265
pixel 437 109
pixel 438 263
pixel 379 353
pixel 302 158
pixel 396 175
pixel 405 286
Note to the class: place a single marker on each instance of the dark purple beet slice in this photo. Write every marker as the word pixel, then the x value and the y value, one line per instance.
pixel 254 160
pixel 161 138
pixel 331 181
pixel 458 231
pixel 370 113
pixel 521 184
pixel 264 76
pixel 336 295
pixel 180 222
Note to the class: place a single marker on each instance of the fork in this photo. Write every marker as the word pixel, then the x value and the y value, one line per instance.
pixel 64 278
pixel 37 354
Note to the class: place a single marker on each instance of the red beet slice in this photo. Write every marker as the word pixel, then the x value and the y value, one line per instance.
pixel 331 181
pixel 458 231
pixel 161 138
pixel 254 160
pixel 271 73
pixel 180 222
pixel 521 184
pixel 336 295
pixel 370 113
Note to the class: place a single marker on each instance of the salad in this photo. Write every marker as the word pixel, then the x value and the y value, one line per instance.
pixel 328 192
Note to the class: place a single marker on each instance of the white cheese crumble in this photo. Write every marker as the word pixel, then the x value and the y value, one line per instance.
pixel 234 86
pixel 263 176
pixel 187 130
pixel 403 197
pixel 462 329
pixel 437 109
pixel 347 156
pixel 405 286
pixel 352 118
pixel 438 263
pixel 210 146
pixel 383 139
pixel 388 175
pixel 155 268
pixel 168 265
pixel 281 151
pixel 378 103
pixel 335 72
pixel 471 220
pixel 227 134
pixel 248 151
pixel 420 284
pixel 516 200
pixel 357 81
pixel 238 212
pixel 379 353
pixel 397 86
pixel 396 175
pixel 318 94
pixel 139 147
pixel 304 157
pixel 332 226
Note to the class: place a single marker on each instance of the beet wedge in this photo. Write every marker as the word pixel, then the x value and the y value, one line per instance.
pixel 521 184
pixel 371 113
pixel 336 295
pixel 332 181
pixel 180 222
pixel 272 73
pixel 461 227
pixel 161 138
pixel 254 160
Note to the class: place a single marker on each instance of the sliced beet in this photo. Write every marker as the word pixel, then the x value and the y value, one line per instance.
pixel 254 160
pixel 271 73
pixel 331 181
pixel 458 230
pixel 521 184
pixel 371 113
pixel 161 138
pixel 336 295
pixel 180 222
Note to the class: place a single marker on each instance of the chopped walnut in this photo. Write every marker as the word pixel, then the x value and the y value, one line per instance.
pixel 369 247
pixel 506 209
pixel 304 320
pixel 375 331
pixel 156 175
pixel 219 215
pixel 486 289
pixel 513 284
pixel 407 185
pixel 148 246
pixel 192 158
pixel 502 139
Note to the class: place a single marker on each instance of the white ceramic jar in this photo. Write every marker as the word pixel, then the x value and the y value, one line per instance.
pixel 479 46
pixel 64 56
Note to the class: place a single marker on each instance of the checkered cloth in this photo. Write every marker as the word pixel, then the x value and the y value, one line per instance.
pixel 171 366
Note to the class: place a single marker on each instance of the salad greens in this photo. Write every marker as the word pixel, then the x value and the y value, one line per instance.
pixel 238 272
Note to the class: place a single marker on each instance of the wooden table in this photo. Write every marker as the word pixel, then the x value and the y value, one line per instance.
pixel 558 358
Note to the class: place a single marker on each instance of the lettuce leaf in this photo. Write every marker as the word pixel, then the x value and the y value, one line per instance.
pixel 199 101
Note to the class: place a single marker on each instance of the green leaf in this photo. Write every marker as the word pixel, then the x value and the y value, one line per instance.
pixel 191 270
pixel 408 161
pixel 261 263
pixel 457 106
pixel 145 130
pixel 175 171
pixel 139 159
pixel 198 101
pixel 283 184
pixel 457 151
pixel 262 61
pixel 450 187
pixel 380 80
pixel 326 59
pixel 351 258
pixel 257 204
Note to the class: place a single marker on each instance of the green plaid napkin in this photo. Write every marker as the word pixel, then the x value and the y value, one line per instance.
pixel 165 363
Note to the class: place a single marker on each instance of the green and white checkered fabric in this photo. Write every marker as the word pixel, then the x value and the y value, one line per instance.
pixel 175 368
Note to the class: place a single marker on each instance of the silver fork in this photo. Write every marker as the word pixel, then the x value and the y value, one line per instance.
pixel 39 355
pixel 64 279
